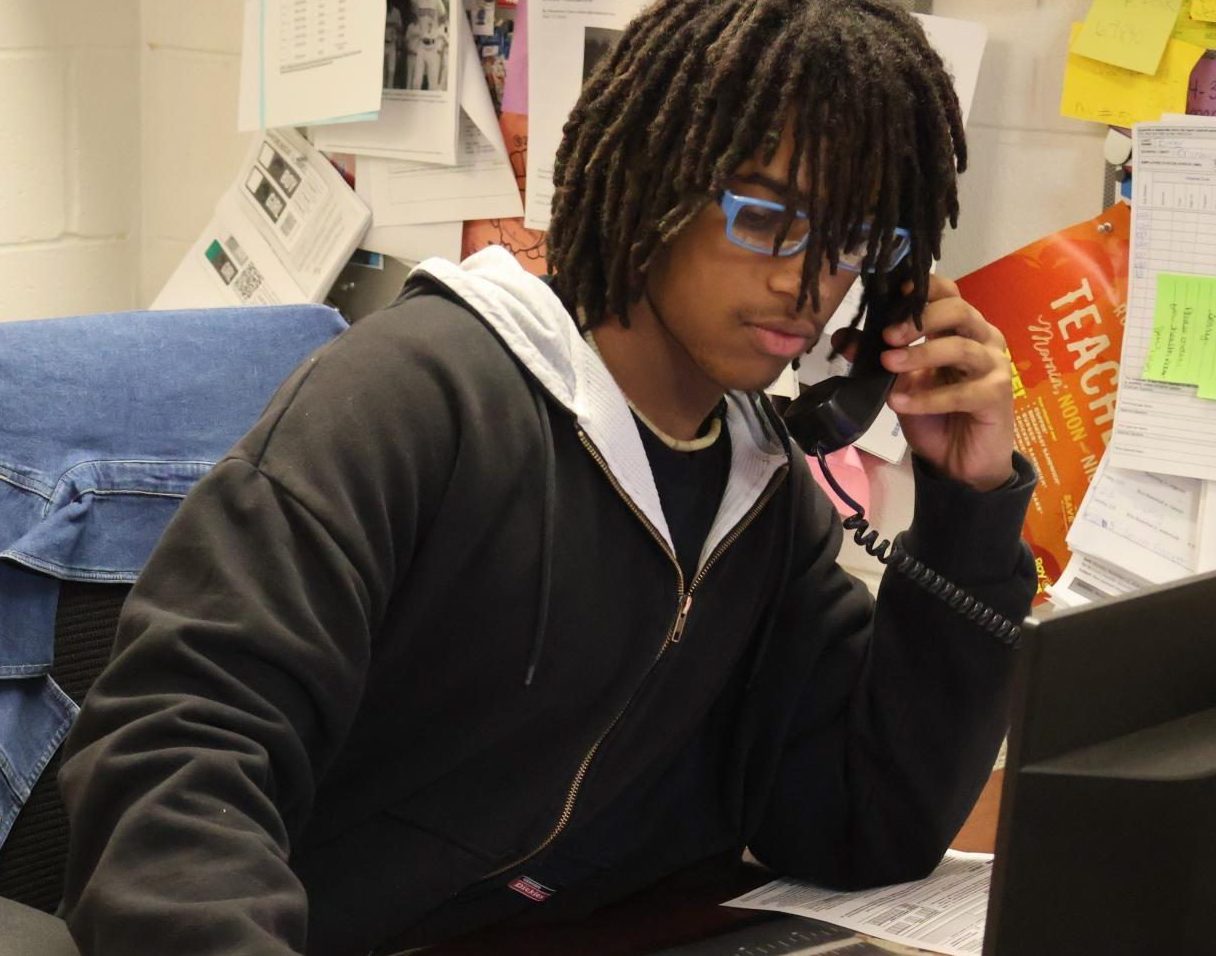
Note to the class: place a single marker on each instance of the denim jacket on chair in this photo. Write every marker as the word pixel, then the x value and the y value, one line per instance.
pixel 106 421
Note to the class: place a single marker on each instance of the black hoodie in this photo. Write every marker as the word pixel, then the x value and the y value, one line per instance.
pixel 423 634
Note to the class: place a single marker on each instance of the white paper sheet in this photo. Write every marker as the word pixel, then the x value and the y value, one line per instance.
pixel 1088 578
pixel 281 233
pixel 561 29
pixel 415 124
pixel 481 186
pixel 1205 552
pixel 557 34
pixel 1142 522
pixel 412 244
pixel 1160 427
pixel 944 913
pixel 310 61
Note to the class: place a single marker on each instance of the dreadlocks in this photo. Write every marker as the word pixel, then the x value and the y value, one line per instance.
pixel 696 87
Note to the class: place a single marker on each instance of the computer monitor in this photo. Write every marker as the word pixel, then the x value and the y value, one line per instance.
pixel 1107 835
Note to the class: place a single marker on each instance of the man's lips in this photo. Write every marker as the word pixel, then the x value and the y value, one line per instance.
pixel 784 341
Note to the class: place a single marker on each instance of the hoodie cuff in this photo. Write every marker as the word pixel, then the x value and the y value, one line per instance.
pixel 969 535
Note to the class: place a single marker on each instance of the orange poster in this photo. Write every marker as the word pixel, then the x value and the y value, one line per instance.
pixel 1060 303
pixel 527 245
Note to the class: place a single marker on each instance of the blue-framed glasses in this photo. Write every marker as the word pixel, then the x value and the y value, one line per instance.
pixel 755 224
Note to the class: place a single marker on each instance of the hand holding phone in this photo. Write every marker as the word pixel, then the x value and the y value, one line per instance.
pixel 839 410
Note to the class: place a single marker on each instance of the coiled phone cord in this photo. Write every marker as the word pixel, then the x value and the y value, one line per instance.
pixel 974 610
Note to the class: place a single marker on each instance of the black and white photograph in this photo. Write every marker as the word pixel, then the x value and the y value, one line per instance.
pixel 597 43
pixel 416 45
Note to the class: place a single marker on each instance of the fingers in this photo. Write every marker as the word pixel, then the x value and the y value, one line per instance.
pixel 965 356
pixel 951 374
pixel 946 314
pixel 923 395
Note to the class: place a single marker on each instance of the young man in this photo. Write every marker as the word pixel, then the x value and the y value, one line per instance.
pixel 519 597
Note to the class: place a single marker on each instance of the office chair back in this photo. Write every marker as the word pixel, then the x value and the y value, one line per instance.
pixel 32 859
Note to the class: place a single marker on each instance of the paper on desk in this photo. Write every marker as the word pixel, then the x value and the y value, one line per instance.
pixel 1142 522
pixel 1088 578
pixel 309 62
pixel 281 233
pixel 573 36
pixel 943 913
pixel 480 186
pixel 1161 427
pixel 420 111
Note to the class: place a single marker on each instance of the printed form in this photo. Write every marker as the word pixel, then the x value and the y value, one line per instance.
pixel 481 185
pixel 1161 427
pixel 281 233
pixel 310 61
pixel 943 913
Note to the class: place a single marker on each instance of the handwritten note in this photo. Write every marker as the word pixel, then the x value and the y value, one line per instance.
pixel 1193 30
pixel 1110 94
pixel 1203 10
pixel 1182 347
pixel 1128 33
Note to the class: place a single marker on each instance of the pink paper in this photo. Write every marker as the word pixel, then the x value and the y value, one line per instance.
pixel 515 86
pixel 847 468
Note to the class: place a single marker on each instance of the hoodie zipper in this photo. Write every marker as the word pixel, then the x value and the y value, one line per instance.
pixel 674 634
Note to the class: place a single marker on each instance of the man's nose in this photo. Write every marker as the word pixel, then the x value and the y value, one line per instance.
pixel 785 275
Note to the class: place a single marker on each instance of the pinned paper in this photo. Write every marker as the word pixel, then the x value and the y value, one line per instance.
pixel 1109 94
pixel 1182 349
pixel 1203 10
pixel 1127 33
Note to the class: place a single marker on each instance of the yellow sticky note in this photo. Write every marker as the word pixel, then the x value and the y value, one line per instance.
pixel 1193 30
pixel 1109 94
pixel 1128 33
pixel 1203 10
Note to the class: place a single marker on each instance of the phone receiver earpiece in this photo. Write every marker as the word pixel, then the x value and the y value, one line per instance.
pixel 837 411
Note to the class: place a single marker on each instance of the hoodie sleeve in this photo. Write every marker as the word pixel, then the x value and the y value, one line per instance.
pixel 898 723
pixel 242 653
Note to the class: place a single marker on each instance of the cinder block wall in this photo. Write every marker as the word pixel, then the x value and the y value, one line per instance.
pixel 190 148
pixel 118 134
pixel 69 156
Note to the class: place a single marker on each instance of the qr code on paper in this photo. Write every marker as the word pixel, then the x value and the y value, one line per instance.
pixel 248 282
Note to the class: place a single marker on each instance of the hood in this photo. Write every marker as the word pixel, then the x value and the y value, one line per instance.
pixel 530 319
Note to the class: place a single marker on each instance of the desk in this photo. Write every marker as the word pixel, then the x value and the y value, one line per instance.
pixel 680 909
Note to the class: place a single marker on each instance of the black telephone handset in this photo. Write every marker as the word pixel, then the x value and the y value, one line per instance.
pixel 837 411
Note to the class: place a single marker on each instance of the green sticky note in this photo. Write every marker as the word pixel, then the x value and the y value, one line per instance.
pixel 1160 355
pixel 1182 348
pixel 1207 349
pixel 1128 33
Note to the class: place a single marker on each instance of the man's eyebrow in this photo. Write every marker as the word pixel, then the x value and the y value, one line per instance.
pixel 778 187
